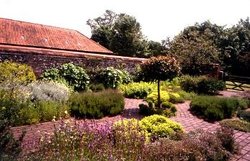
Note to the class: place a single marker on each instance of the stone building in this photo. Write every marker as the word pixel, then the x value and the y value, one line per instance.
pixel 43 47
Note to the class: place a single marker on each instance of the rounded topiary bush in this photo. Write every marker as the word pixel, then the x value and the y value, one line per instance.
pixel 160 126
pixel 16 73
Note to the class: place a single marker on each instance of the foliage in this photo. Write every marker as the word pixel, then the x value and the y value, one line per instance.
pixel 153 97
pixel 48 91
pixel 137 89
pixel 97 87
pixel 214 108
pixel 96 105
pixel 175 98
pixel 88 142
pixel 186 95
pixel 197 48
pixel 112 78
pixel 160 126
pixel 10 147
pixel 129 128
pixel 28 115
pixel 160 68
pixel 121 33
pixel 70 74
pixel 21 112
pixel 16 73
pixel 236 124
pixel 51 110
pixel 235 48
pixel 201 84
pixel 156 49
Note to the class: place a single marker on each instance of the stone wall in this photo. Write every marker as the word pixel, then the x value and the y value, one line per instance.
pixel 42 61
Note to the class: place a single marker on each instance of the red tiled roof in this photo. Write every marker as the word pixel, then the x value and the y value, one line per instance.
pixel 27 34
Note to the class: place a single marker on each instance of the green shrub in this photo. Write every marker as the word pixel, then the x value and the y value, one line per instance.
pixel 186 95
pixel 137 89
pixel 48 91
pixel 16 73
pixel 10 106
pixel 214 108
pixel 153 97
pixel 51 74
pixel 96 105
pixel 201 84
pixel 96 87
pixel 74 76
pixel 160 126
pixel 49 110
pixel 168 109
pixel 175 98
pixel 28 115
pixel 112 78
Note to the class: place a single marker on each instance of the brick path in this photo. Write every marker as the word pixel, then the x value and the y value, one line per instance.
pixel 183 116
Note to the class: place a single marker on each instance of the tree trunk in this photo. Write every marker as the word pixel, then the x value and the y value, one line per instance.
pixel 159 94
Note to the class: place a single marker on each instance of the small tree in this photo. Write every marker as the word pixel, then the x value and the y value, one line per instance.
pixel 160 68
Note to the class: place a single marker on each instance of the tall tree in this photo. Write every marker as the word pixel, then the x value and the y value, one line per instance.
pixel 196 47
pixel 120 33
pixel 235 47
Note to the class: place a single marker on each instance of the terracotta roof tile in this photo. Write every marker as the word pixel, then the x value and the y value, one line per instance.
pixel 27 34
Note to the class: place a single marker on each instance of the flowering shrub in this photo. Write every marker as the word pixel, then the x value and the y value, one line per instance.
pixel 48 91
pixel 73 75
pixel 112 78
pixel 99 142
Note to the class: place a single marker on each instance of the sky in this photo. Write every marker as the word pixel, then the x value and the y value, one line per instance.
pixel 159 19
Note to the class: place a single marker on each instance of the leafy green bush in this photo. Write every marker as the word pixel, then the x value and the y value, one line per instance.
pixel 153 97
pixel 16 73
pixel 214 108
pixel 201 84
pixel 160 126
pixel 96 87
pixel 112 78
pixel 10 105
pixel 28 115
pixel 186 95
pixel 175 98
pixel 96 105
pixel 137 89
pixel 49 110
pixel 20 112
pixel 74 76
pixel 48 91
